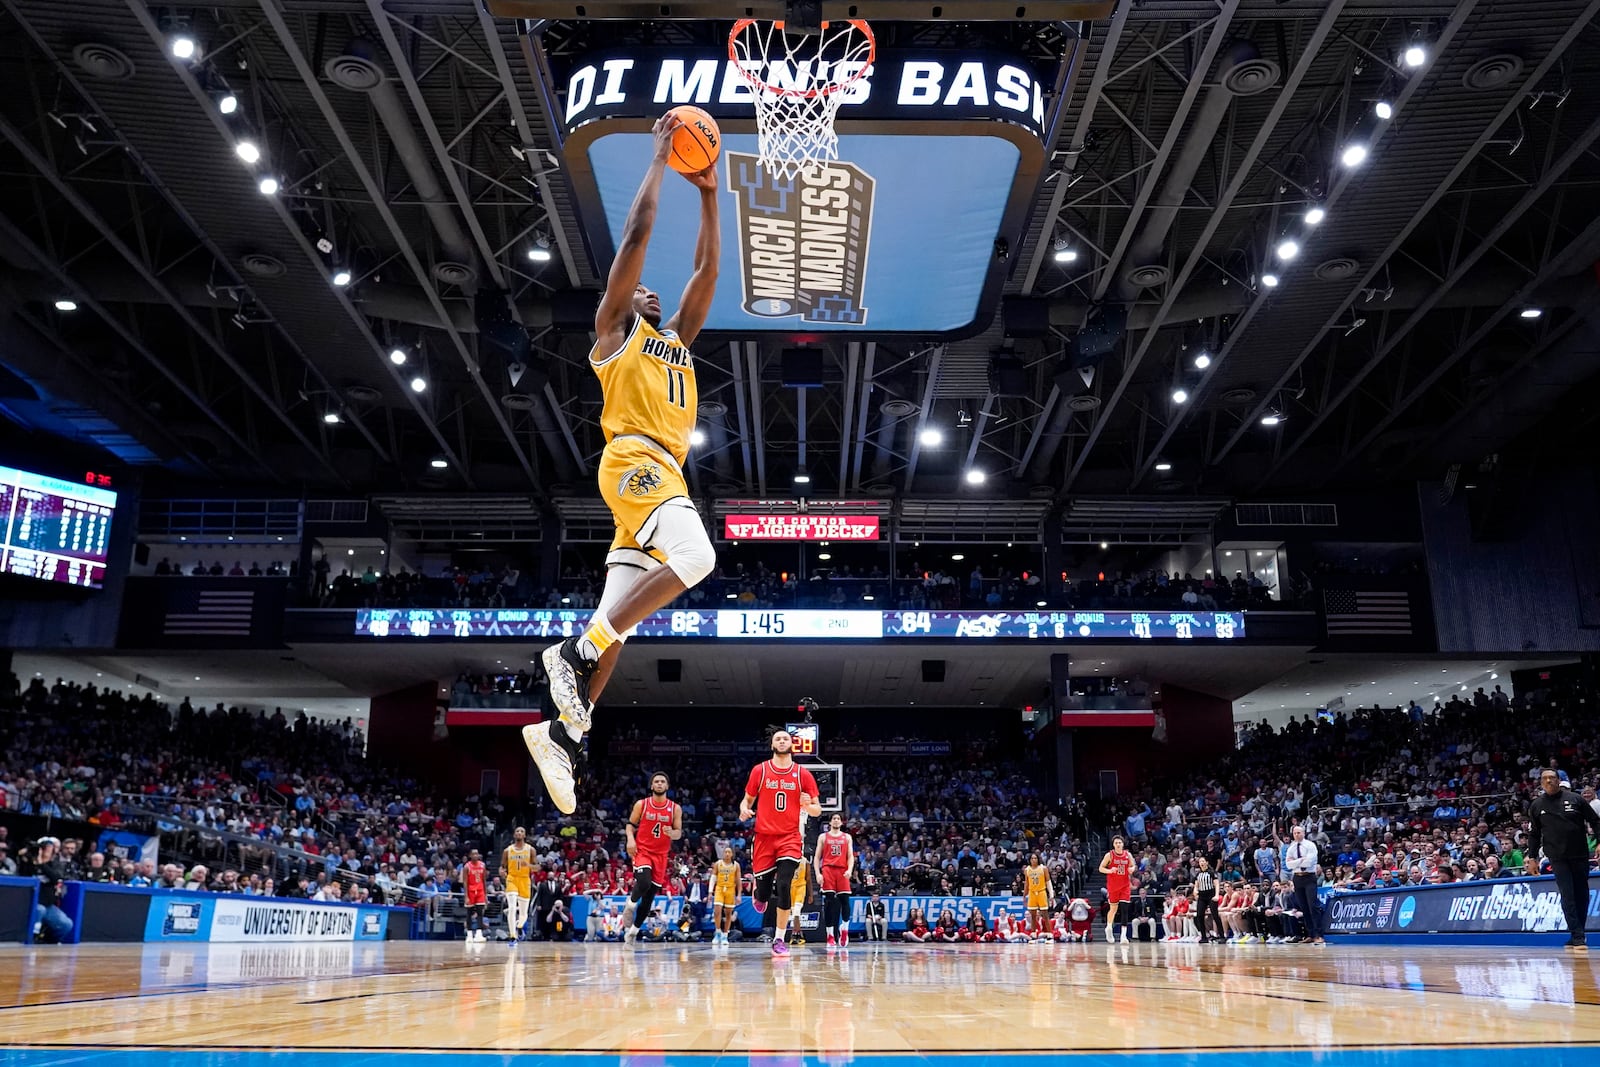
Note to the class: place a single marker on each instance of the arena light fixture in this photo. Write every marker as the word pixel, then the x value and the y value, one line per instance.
pixel 1315 216
pixel 957 557
pixel 397 356
pixel 1384 110
pixel 247 151
pixel 66 304
pixel 1064 252
pixel 539 252
pixel 1104 546
pixel 331 418
pixel 697 438
pixel 802 478
pixel 228 104
pixel 1163 466
pixel 1414 56
pixel 1271 418
pixel 341 278
pixel 184 47
pixel 1202 361
pixel 976 477
pixel 1269 280
pixel 1180 396
pixel 1531 313
pixel 419 384
pixel 268 186
pixel 824 556
pixel 1041 604
pixel 1353 155
pixel 438 463
pixel 930 438
pixel 1288 249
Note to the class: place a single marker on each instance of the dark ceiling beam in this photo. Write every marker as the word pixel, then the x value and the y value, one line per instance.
pixel 924 410
pixel 1241 176
pixel 486 252
pixel 1578 148
pixel 1197 79
pixel 1585 242
pixel 852 374
pixel 532 154
pixel 153 180
pixel 65 190
pixel 86 299
pixel 1381 261
pixel 272 9
pixel 314 262
pixel 863 415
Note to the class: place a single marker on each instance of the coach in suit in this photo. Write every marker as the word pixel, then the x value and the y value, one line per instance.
pixel 1301 861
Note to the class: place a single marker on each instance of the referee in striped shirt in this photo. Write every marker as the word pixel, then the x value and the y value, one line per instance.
pixel 1205 894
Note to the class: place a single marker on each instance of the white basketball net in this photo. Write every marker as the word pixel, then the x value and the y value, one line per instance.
pixel 798 84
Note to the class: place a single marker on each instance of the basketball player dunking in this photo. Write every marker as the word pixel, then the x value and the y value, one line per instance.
pixel 836 862
pixel 475 879
pixel 725 877
pixel 647 378
pixel 653 825
pixel 516 866
pixel 1117 866
pixel 777 794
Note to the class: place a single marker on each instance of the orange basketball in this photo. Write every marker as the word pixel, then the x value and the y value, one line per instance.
pixel 696 143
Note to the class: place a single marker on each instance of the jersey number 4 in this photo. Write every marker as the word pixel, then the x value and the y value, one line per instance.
pixel 677 388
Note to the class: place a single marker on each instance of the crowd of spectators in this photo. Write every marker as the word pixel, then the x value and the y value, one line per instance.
pixel 256 803
pixel 1390 796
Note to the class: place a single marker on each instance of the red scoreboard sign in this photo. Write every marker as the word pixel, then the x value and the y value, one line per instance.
pixel 800 527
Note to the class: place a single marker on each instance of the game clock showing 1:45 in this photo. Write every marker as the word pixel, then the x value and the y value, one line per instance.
pixel 806 737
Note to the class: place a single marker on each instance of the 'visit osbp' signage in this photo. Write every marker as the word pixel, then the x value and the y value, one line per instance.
pixel 646 83
pixel 1528 905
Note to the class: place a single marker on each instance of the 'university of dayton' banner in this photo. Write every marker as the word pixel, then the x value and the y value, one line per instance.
pixel 800 527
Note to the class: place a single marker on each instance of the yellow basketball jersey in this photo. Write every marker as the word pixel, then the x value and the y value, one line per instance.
pixel 1037 879
pixel 727 877
pixel 649 388
pixel 519 864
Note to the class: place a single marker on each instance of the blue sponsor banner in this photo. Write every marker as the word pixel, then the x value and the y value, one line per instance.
pixel 122 845
pixel 1502 906
pixel 179 917
pixel 671 908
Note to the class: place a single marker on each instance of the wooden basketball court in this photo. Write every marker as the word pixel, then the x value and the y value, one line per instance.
pixel 459 1004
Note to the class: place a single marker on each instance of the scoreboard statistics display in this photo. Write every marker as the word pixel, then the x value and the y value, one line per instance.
pixel 810 625
pixel 55 530
pixel 807 738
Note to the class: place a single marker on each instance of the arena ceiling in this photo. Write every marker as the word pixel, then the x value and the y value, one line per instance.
pixel 413 145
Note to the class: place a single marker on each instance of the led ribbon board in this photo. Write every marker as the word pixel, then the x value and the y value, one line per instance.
pixel 813 625
pixel 939 155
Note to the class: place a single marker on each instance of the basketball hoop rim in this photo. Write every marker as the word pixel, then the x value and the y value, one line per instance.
pixel 804 94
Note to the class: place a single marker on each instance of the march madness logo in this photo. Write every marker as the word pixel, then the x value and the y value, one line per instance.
pixel 803 240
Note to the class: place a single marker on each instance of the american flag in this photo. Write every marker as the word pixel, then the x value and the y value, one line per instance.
pixel 218 613
pixel 1353 611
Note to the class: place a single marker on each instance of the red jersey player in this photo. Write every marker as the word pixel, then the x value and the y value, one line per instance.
pixel 475 877
pixel 835 862
pixel 776 795
pixel 653 826
pixel 1118 869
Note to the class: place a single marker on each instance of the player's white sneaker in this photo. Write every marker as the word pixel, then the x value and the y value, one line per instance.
pixel 556 755
pixel 629 934
pixel 569 675
pixel 1124 937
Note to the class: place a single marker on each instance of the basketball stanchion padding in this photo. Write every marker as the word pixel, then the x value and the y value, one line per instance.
pixel 800 82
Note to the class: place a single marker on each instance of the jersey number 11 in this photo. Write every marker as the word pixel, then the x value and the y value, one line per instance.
pixel 677 388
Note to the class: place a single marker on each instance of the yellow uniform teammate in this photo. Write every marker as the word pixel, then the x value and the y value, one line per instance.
pixel 516 865
pixel 647 377
pixel 725 875
pixel 797 896
pixel 1041 895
